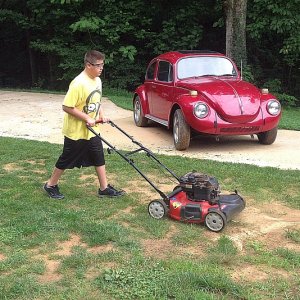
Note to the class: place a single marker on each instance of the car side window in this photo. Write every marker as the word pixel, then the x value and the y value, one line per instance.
pixel 165 71
pixel 150 71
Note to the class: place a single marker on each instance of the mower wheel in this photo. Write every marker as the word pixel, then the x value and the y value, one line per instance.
pixel 215 221
pixel 158 209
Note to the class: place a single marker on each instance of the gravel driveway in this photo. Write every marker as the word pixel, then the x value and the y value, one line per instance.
pixel 38 116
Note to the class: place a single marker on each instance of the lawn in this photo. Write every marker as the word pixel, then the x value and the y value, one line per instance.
pixel 89 248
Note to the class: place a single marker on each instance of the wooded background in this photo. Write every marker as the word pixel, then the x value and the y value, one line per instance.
pixel 43 41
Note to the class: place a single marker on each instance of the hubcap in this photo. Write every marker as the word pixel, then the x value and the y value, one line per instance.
pixel 214 221
pixel 137 111
pixel 156 210
pixel 176 129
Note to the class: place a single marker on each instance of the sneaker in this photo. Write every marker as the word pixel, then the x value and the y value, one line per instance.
pixel 53 192
pixel 110 191
pixel 122 192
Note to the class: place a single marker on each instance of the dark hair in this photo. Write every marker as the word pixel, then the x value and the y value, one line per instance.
pixel 92 56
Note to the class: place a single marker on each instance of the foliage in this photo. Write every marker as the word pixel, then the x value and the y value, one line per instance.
pixel 247 73
pixel 44 41
pixel 273 29
pixel 275 87
pixel 280 17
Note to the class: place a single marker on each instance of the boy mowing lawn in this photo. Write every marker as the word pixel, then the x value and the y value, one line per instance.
pixel 81 147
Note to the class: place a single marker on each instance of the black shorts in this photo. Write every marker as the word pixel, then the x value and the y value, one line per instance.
pixel 81 153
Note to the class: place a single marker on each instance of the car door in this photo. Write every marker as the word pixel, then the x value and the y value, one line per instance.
pixel 149 83
pixel 162 91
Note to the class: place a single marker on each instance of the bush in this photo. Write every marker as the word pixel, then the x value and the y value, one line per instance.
pixel 275 87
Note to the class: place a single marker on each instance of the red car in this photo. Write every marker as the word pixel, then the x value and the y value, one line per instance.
pixel 202 92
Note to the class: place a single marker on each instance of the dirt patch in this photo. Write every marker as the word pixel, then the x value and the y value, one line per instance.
pixel 51 269
pixel 164 248
pixel 266 223
pixel 160 248
pixel 65 248
pixel 256 273
pixel 12 167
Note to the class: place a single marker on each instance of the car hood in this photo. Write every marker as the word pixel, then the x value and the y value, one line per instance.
pixel 235 101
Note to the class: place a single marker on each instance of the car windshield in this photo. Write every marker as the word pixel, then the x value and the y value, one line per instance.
pixel 205 66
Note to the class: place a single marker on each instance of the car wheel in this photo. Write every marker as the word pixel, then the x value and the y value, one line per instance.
pixel 215 221
pixel 158 209
pixel 138 116
pixel 267 137
pixel 181 131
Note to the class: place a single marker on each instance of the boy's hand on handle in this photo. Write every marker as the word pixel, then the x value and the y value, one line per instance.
pixel 103 120
pixel 90 122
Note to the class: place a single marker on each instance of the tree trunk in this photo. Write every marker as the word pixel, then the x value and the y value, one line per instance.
pixel 31 58
pixel 235 11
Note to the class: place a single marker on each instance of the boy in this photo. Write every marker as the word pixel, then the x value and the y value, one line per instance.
pixel 81 147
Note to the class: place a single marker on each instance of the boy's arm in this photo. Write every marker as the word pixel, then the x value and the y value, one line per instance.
pixel 79 115
pixel 102 116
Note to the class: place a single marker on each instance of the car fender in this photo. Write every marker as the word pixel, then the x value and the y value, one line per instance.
pixel 186 104
pixel 179 103
pixel 141 93
pixel 269 121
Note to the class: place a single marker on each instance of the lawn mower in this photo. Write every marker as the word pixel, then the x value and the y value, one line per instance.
pixel 195 199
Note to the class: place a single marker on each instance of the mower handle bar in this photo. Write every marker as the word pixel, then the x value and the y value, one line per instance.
pixel 130 161
pixel 143 148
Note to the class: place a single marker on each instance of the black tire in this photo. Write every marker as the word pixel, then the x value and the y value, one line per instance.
pixel 138 115
pixel 267 137
pixel 181 131
pixel 158 209
pixel 215 221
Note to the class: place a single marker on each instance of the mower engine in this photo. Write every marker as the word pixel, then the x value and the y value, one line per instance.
pixel 200 187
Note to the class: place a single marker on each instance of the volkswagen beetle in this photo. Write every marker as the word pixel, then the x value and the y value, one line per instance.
pixel 202 92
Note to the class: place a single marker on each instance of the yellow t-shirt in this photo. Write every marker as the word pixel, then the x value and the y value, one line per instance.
pixel 85 94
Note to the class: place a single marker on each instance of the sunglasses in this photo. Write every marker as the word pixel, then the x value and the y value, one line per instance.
pixel 96 65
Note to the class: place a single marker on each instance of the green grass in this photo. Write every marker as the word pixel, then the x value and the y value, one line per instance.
pixel 290 119
pixel 118 251
pixel 121 98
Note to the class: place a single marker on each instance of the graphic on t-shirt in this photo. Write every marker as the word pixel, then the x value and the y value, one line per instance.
pixel 92 107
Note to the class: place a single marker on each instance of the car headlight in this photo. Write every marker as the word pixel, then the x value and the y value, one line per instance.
pixel 273 107
pixel 200 110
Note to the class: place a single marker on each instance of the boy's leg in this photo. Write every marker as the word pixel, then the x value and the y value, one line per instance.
pixel 105 188
pixel 101 173
pixel 56 174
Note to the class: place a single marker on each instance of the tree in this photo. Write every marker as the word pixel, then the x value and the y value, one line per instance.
pixel 274 30
pixel 235 12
